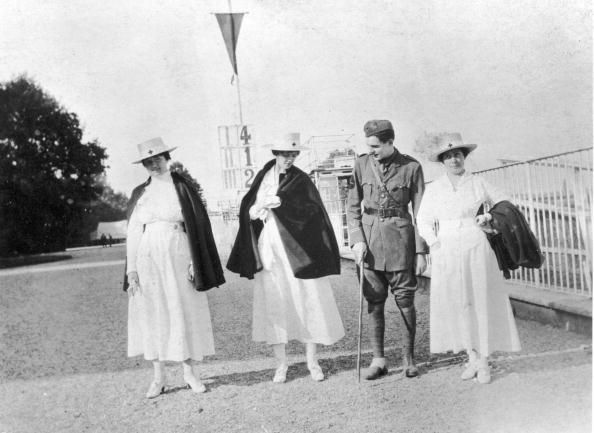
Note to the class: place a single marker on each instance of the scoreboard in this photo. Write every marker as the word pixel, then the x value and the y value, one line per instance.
pixel 237 157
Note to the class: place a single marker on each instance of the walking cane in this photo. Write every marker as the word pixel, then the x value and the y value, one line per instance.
pixel 361 277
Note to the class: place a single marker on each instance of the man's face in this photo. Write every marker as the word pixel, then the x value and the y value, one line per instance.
pixel 379 150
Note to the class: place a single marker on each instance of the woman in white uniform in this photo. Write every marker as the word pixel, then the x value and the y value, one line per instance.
pixel 171 261
pixel 469 307
pixel 286 242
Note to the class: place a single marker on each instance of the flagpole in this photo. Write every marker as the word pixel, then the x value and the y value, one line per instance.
pixel 236 74
pixel 239 101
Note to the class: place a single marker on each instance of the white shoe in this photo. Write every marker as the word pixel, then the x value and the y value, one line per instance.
pixel 280 375
pixel 316 372
pixel 483 374
pixel 195 385
pixel 470 371
pixel 155 389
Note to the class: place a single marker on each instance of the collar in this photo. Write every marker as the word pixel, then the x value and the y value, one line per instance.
pixel 394 158
pixel 463 179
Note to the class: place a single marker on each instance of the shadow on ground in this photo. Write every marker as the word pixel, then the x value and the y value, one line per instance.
pixel 348 363
pixel 13 262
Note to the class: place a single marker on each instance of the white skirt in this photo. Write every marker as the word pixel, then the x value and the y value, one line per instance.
pixel 170 321
pixel 469 306
pixel 288 308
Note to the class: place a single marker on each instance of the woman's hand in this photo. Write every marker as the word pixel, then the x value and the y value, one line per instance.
pixel 191 272
pixel 133 284
pixel 484 223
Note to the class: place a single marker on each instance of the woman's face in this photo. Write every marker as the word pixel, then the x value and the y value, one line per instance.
pixel 284 160
pixel 454 161
pixel 155 165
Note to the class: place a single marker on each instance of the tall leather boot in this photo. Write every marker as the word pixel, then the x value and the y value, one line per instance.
pixel 408 331
pixel 377 325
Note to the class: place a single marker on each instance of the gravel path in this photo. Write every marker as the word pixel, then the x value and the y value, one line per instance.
pixel 64 369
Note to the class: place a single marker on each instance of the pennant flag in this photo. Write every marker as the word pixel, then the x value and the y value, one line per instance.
pixel 230 25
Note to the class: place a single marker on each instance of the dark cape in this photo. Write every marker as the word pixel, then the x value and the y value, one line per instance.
pixel 208 272
pixel 304 226
pixel 514 243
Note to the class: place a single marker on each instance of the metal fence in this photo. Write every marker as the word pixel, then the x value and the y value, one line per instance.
pixel 555 195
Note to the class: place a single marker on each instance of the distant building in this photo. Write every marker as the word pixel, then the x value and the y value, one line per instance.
pixel 117 230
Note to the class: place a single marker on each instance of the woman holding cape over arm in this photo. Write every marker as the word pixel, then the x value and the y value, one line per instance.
pixel 469 307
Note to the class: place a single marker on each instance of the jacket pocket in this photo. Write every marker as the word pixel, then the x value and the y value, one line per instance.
pixel 402 222
pixel 367 189
pixel 401 194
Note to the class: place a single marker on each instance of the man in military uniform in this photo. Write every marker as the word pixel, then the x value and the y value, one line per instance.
pixel 383 234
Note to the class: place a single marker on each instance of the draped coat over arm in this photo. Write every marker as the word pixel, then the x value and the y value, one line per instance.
pixel 208 272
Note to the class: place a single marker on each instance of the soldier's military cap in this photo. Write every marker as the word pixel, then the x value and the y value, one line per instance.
pixel 374 127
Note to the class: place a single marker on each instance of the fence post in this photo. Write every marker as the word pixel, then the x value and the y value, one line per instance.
pixel 531 216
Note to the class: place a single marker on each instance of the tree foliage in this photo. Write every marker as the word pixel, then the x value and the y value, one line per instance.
pixel 48 176
pixel 109 206
pixel 179 168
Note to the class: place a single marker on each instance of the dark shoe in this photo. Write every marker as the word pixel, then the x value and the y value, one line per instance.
pixel 408 330
pixel 374 372
pixel 411 371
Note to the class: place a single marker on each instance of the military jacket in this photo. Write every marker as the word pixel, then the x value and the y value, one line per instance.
pixel 381 217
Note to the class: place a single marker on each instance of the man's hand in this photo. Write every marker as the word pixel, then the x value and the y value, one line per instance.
pixel 420 264
pixel 133 284
pixel 359 249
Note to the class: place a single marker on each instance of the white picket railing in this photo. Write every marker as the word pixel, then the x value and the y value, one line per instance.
pixel 555 195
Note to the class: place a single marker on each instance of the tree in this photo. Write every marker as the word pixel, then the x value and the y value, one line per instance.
pixel 48 176
pixel 178 167
pixel 109 206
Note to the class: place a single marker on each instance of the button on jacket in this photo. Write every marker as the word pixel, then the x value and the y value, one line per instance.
pixel 386 224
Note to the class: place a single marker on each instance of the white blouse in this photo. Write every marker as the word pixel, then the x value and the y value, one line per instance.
pixel 159 202
pixel 444 202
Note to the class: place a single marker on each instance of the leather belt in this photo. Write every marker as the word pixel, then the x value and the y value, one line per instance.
pixel 386 212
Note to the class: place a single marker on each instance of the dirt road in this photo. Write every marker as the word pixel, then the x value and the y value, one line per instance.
pixel 64 369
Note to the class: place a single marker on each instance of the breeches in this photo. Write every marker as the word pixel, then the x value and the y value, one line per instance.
pixel 402 284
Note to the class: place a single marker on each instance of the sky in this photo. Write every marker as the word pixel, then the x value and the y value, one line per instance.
pixel 515 77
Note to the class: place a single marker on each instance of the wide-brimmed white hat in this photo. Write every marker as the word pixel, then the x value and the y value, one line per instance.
pixel 289 143
pixel 447 142
pixel 152 147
